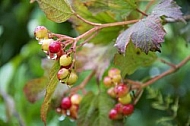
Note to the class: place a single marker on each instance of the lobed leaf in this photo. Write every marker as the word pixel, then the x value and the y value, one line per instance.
pixel 35 89
pixel 93 110
pixel 56 10
pixel 133 59
pixel 53 81
pixel 168 8
pixel 147 34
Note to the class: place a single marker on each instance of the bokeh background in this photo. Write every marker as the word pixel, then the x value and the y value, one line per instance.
pixel 20 61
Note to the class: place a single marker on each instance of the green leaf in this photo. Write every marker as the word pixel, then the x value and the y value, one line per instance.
pixel 103 17
pixel 120 7
pixel 56 10
pixel 35 89
pixel 53 81
pixel 133 59
pixel 93 110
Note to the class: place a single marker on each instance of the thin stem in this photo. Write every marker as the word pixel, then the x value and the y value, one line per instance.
pixel 168 63
pixel 149 5
pixel 86 21
pixel 143 13
pixel 170 71
pixel 96 28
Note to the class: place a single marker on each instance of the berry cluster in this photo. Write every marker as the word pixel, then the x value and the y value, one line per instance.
pixel 69 106
pixel 55 49
pixel 121 92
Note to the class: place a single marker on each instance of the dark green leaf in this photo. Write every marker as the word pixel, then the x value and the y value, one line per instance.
pixel 133 59
pixel 93 110
pixel 49 91
pixel 56 10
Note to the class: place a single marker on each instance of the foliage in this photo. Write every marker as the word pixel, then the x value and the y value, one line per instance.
pixel 126 34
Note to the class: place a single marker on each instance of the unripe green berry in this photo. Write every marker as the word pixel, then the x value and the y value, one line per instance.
pixel 116 78
pixel 113 71
pixel 72 78
pixel 41 32
pixel 125 100
pixel 65 60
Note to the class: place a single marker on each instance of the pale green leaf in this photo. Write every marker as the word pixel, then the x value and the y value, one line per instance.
pixel 49 91
pixel 133 59
pixel 56 10
pixel 93 110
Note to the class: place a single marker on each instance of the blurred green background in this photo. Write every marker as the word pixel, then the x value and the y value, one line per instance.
pixel 20 61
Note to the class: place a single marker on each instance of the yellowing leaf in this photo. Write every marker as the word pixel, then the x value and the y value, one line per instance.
pixel 49 91
pixel 56 10
pixel 133 59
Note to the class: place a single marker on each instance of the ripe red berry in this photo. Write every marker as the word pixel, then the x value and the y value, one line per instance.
pixel 66 103
pixel 55 47
pixel 113 114
pixel 121 90
pixel 128 109
pixel 119 107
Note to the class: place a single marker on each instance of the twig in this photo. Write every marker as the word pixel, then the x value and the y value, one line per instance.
pixel 86 21
pixel 143 13
pixel 170 71
pixel 168 63
pixel 96 28
pixel 149 5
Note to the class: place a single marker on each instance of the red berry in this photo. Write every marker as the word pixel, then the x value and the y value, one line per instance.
pixel 66 103
pixel 128 109
pixel 113 114
pixel 119 107
pixel 55 47
pixel 121 90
